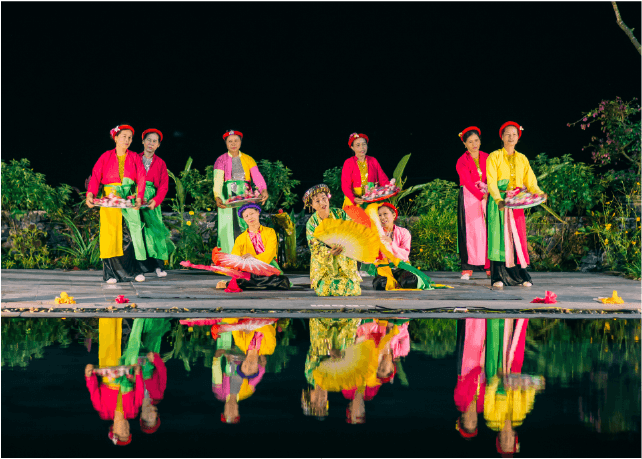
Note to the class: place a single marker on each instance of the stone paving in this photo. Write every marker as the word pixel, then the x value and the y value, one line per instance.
pixel 192 293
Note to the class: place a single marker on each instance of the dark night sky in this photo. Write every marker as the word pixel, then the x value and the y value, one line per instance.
pixel 298 78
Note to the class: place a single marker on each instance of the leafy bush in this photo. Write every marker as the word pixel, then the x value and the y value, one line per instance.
pixel 571 186
pixel 280 184
pixel 434 337
pixel 332 178
pixel 200 188
pixel 438 194
pixel 553 246
pixel 434 240
pixel 616 228
pixel 28 249
pixel 23 189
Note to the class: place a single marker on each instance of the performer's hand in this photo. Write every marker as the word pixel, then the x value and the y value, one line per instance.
pixel 386 239
pixel 264 196
pixel 151 204
pixel 486 196
pixel 336 251
pixel 335 353
pixel 219 353
pixel 150 357
pixel 219 203
pixel 139 202
pixel 358 201
pixel 137 369
pixel 247 255
pixel 501 205
pixel 90 200
pixel 89 369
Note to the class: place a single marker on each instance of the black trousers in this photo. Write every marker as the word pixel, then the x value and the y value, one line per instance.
pixel 406 279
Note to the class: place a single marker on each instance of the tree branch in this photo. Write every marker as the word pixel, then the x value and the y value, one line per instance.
pixel 627 31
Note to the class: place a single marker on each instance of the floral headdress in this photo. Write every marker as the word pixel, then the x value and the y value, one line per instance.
pixel 511 123
pixel 469 128
pixel 354 136
pixel 321 188
pixel 114 132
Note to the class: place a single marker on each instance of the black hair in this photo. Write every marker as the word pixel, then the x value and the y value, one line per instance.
pixel 153 132
pixel 469 133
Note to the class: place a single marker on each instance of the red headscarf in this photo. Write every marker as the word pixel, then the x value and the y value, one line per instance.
pixel 354 136
pixel 114 132
pixel 469 128
pixel 160 134
pixel 511 123
pixel 232 132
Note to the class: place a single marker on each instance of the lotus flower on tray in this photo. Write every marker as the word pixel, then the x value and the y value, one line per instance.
pixel 248 196
pixel 520 198
pixel 379 193
pixel 113 200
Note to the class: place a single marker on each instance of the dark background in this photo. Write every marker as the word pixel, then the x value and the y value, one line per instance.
pixel 298 78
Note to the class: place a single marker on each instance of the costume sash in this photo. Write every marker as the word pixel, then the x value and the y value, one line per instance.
pixel 109 349
pixel 226 216
pixel 475 212
pixel 504 238
pixel 474 337
pixel 111 231
pixel 157 236
pixel 146 335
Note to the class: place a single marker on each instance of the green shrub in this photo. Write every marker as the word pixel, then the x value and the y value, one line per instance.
pixel 434 337
pixel 24 190
pixel 571 187
pixel 438 194
pixel 434 240
pixel 332 178
pixel 28 249
pixel 280 184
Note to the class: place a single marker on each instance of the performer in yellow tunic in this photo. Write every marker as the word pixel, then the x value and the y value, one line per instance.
pixel 258 242
pixel 331 273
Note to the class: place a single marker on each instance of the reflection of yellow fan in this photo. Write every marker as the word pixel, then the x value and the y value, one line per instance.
pixel 358 363
pixel 358 241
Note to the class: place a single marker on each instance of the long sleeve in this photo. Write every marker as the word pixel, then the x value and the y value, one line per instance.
pixel 163 186
pixel 257 178
pixel 346 180
pixel 530 181
pixel 465 179
pixel 158 382
pixel 217 372
pixel 401 243
pixel 219 178
pixel 96 176
pixel 382 178
pixel 94 392
pixel 139 392
pixel 492 171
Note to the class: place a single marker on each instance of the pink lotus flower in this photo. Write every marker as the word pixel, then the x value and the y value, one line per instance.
pixel 122 299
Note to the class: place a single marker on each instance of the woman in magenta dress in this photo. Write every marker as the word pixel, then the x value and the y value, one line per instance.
pixel 473 196
pixel 360 171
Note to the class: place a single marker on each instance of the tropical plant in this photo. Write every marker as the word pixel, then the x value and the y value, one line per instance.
pixel 28 249
pixel 280 185
pixel 438 194
pixel 24 190
pixel 332 178
pixel 83 248
pixel 401 181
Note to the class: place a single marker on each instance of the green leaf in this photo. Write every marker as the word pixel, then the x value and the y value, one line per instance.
pixel 400 167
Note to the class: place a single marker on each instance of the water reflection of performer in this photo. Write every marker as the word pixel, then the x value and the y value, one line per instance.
pixel 235 375
pixel 328 338
pixel 155 384
pixel 118 398
pixel 469 391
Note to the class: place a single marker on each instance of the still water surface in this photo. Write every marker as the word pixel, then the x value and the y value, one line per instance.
pixel 575 394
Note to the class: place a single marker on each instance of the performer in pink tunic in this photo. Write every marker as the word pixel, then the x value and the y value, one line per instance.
pixel 473 196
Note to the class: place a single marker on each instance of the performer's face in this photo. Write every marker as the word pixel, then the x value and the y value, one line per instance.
pixel 473 143
pixel 510 136
pixel 386 217
pixel 124 138
pixel 360 147
pixel 233 143
pixel 151 142
pixel 250 216
pixel 320 202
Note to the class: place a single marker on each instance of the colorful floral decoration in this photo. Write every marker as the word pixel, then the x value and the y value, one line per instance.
pixel 65 299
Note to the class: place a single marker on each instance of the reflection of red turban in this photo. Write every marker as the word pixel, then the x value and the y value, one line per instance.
pixel 117 440
pixel 511 123
pixel 391 207
pixel 148 131
pixel 149 430
pixel 469 128
pixel 229 133
pixel 354 136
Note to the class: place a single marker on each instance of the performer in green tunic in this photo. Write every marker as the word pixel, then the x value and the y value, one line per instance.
pixel 331 274
pixel 233 171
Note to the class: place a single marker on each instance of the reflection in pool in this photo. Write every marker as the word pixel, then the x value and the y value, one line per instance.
pixel 396 387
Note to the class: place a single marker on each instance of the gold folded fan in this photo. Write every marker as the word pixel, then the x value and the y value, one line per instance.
pixel 358 241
